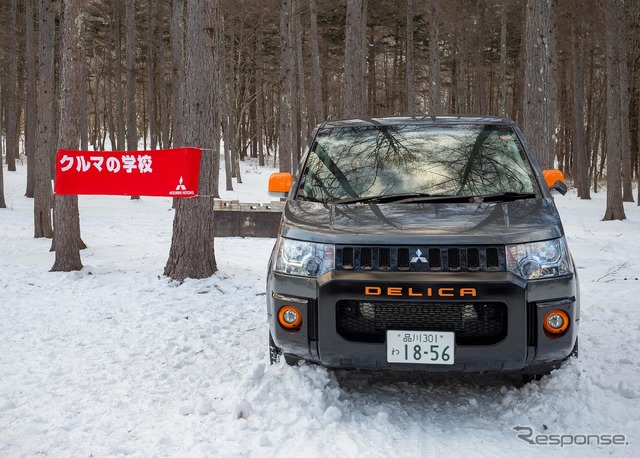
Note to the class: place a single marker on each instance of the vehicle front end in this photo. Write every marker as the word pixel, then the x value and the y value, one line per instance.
pixel 477 280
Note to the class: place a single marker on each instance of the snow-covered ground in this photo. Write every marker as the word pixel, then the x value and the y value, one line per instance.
pixel 118 360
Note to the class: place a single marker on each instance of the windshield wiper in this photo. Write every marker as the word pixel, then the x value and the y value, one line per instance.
pixel 381 199
pixel 417 197
pixel 504 196
pixel 409 197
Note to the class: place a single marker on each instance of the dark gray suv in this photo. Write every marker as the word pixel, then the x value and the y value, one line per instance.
pixel 422 243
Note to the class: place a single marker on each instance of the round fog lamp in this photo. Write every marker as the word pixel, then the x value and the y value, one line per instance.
pixel 556 322
pixel 290 318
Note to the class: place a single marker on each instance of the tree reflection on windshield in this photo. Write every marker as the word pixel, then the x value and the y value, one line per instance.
pixel 465 160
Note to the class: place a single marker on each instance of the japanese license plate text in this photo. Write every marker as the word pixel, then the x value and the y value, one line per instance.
pixel 420 347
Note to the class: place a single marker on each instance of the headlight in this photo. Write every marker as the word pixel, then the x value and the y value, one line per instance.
pixel 307 259
pixel 539 259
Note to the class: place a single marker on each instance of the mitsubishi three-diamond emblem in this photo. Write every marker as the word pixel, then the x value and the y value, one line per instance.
pixel 418 257
pixel 181 186
pixel 181 189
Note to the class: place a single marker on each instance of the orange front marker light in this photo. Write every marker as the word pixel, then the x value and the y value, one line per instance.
pixel 556 322
pixel 290 318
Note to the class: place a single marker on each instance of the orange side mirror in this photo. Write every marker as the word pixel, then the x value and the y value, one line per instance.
pixel 280 184
pixel 551 176
pixel 555 180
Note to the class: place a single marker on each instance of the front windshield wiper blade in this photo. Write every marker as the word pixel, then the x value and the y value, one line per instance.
pixel 504 196
pixel 404 198
pixel 417 197
pixel 380 199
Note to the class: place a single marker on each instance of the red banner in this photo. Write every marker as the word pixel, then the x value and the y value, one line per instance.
pixel 169 172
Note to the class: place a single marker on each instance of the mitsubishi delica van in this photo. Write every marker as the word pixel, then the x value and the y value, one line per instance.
pixel 422 244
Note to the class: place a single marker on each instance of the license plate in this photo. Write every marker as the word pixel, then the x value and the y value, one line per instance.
pixel 420 347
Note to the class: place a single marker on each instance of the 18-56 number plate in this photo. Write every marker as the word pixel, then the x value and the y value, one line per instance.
pixel 420 347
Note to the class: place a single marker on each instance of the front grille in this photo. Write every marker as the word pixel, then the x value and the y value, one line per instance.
pixel 473 323
pixel 421 258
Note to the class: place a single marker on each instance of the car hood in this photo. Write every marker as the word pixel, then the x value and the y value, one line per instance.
pixel 518 221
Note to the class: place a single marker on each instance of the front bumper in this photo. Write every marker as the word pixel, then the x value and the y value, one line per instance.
pixel 520 346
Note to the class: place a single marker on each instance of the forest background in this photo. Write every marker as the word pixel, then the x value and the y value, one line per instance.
pixel 261 74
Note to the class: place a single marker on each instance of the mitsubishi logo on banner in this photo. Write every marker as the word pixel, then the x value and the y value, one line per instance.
pixel 180 186
pixel 181 190
pixel 170 172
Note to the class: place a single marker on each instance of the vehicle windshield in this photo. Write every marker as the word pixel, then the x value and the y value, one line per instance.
pixel 350 163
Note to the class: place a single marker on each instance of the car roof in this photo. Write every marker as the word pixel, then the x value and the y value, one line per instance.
pixel 415 120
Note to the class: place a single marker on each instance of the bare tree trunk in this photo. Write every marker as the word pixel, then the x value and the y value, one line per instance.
pixel 295 93
pixel 31 107
pixel 434 61
pixel 299 100
pixel 3 203
pixel 66 216
pixel 410 73
pixel 163 106
pixel 132 120
pixel 317 113
pixel 253 137
pixel 192 251
pixel 152 109
pixel 237 106
pixel 478 98
pixel 227 128
pixel 615 207
pixel 599 145
pixel 142 123
pixel 177 60
pixel 538 115
pixel 43 194
pixel 226 121
pixel 502 91
pixel 10 91
pixel 564 115
pixel 461 63
pixel 355 96
pixel 233 107
pixel 109 109
pixel 625 136
pixel 286 89
pixel 591 116
pixel 634 11
pixel 259 127
pixel 117 65
pixel 130 51
pixel 83 121
pixel 580 153
pixel 372 92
